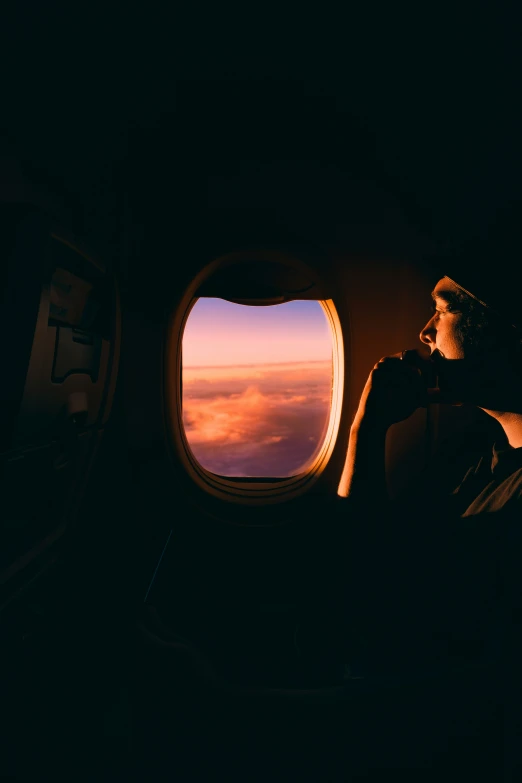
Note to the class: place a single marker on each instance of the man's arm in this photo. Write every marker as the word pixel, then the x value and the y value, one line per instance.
pixel 393 391
pixel 364 474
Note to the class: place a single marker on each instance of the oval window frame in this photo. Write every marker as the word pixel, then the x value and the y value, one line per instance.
pixel 246 491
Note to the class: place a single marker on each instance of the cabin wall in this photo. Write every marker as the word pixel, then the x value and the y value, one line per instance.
pixel 366 251
pixel 371 261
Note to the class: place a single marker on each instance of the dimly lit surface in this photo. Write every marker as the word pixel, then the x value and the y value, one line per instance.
pixel 129 116
pixel 254 410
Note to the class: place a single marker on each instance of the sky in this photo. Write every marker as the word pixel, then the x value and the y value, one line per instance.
pixel 220 333
pixel 257 385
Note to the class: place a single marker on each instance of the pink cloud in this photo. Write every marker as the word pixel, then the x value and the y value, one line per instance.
pixel 270 426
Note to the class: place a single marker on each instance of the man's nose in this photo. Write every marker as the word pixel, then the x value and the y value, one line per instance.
pixel 427 334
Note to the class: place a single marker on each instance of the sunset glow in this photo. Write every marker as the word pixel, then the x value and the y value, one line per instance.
pixel 259 402
pixel 220 333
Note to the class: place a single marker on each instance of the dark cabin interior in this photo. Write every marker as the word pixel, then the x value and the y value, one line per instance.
pixel 150 629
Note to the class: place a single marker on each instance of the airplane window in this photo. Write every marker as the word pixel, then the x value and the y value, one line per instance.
pixel 257 386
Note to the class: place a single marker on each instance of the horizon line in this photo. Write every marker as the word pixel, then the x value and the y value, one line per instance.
pixel 257 364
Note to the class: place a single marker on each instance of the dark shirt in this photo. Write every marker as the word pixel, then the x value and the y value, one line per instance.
pixel 493 483
pixel 444 571
pixel 477 558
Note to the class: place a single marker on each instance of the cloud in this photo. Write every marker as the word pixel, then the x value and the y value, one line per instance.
pixel 270 427
pixel 232 419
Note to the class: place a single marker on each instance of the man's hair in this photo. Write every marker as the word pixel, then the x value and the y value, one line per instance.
pixel 482 328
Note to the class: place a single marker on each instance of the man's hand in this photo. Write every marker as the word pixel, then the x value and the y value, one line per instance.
pixel 393 391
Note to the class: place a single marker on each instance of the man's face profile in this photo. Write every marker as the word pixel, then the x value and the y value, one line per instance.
pixel 441 333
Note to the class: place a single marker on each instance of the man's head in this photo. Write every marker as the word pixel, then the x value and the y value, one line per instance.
pixel 478 349
pixel 478 304
pixel 462 327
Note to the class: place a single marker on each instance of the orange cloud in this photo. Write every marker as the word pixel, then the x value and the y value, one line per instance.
pixel 233 419
pixel 269 427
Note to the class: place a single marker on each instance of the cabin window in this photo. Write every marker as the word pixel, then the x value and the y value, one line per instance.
pixel 257 387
